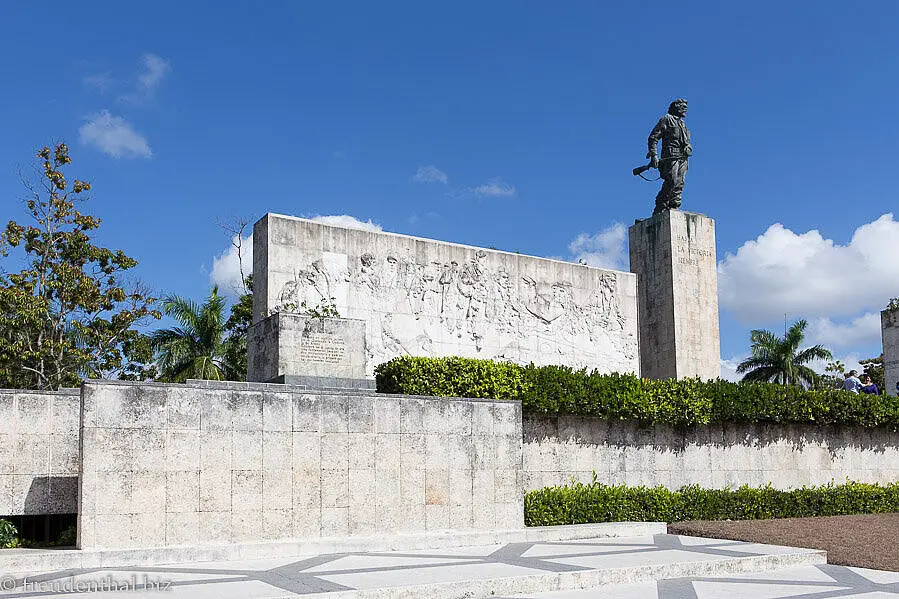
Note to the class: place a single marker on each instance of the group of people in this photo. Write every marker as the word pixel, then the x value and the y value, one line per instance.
pixel 852 383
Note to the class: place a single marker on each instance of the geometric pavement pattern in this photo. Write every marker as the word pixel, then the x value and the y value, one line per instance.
pixel 823 581
pixel 295 577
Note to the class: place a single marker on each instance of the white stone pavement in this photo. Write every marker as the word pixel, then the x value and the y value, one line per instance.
pixel 653 566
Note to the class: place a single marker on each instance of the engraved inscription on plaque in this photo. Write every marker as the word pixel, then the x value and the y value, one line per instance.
pixel 322 348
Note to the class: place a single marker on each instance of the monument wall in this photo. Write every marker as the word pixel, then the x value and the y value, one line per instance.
pixel 210 463
pixel 557 449
pixel 429 298
pixel 39 452
pixel 889 321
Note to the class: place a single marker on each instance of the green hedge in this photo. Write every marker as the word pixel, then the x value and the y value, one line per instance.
pixel 564 390
pixel 595 502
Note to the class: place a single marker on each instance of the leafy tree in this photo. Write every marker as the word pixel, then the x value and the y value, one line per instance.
pixel 199 348
pixel 778 360
pixel 833 375
pixel 238 328
pixel 893 305
pixel 68 313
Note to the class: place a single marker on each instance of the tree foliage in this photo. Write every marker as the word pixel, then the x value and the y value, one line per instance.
pixel 199 348
pixel 68 313
pixel 779 360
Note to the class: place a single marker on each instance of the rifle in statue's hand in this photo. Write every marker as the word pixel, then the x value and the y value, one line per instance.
pixel 642 169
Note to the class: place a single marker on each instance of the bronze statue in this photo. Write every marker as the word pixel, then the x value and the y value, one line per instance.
pixel 676 150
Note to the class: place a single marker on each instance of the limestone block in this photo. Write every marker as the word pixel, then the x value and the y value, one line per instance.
pixel 437 517
pixel 277 412
pixel 413 486
pixel 277 524
pixel 361 451
pixel 335 488
pixel 215 526
pixel 307 412
pixel 334 521
pixel 277 449
pixel 147 450
pixel 182 450
pixel 307 489
pixel 334 414
pixel 360 415
pixel 335 451
pixel 246 412
pixel 277 489
pixel 182 491
pixel 33 412
pixel 386 414
pixel 148 530
pixel 307 523
pixel 307 451
pixel 215 490
pixel 215 450
pixel 437 486
pixel 148 490
pixel 246 449
pixel 216 412
pixel 246 490
pixel 412 416
pixel 388 451
pixel 183 408
pixel 387 489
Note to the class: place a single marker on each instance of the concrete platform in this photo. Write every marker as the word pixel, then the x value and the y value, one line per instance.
pixel 511 569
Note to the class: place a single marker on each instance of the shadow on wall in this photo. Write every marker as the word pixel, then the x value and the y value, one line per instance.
pixel 51 495
pixel 585 430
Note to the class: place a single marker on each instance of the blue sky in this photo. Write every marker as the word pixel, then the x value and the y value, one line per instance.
pixel 505 124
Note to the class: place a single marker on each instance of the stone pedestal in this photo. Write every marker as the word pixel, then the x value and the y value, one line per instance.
pixel 889 329
pixel 303 350
pixel 673 256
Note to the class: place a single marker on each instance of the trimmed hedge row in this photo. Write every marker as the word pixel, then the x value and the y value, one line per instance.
pixel 595 502
pixel 564 390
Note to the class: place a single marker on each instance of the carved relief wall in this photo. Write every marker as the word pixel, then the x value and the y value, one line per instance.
pixel 429 298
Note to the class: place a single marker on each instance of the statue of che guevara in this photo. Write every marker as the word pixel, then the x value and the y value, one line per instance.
pixel 676 150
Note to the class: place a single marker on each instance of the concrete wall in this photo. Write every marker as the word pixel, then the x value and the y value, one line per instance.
pixel 38 452
pixel 889 321
pixel 673 255
pixel 429 298
pixel 167 465
pixel 787 456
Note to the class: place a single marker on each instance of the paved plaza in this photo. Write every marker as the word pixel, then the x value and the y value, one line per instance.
pixel 654 566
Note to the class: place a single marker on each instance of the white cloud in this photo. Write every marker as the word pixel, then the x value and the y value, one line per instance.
pixel 100 82
pixel 496 188
pixel 430 174
pixel 806 275
pixel 729 368
pixel 345 220
pixel 114 136
pixel 605 249
pixel 226 266
pixel 154 69
pixel 864 330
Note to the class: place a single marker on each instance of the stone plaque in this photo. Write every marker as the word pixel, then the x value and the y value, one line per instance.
pixel 323 348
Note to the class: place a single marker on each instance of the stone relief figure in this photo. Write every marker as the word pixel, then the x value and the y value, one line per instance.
pixel 444 307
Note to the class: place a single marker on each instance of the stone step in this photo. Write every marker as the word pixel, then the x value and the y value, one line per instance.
pixel 35 560
pixel 550 562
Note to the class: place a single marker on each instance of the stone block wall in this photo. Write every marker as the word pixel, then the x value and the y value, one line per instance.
pixel 889 321
pixel 39 452
pixel 787 456
pixel 208 463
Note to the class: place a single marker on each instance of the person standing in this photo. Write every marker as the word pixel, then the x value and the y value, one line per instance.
pixel 868 386
pixel 851 382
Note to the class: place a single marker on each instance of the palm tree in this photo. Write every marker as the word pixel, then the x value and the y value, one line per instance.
pixel 198 349
pixel 776 360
